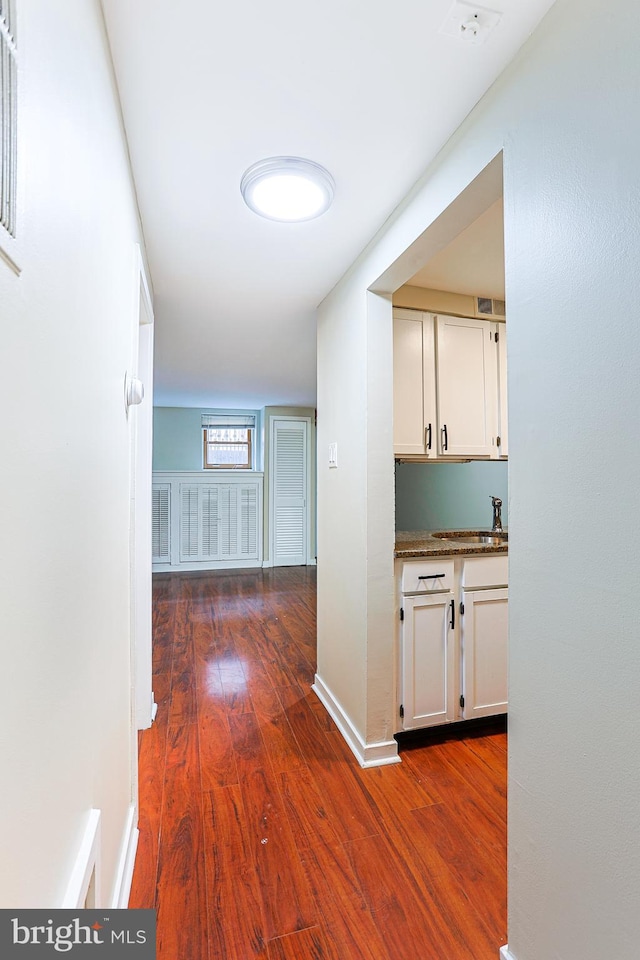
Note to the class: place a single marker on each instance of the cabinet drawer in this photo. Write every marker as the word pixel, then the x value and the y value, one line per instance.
pixel 485 572
pixel 427 576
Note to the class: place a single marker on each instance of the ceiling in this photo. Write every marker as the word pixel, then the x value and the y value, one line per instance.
pixel 473 263
pixel 369 88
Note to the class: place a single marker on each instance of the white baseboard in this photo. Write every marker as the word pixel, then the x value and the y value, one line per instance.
pixel 311 562
pixel 367 754
pixel 505 954
pixel 126 861
pixel 204 565
pixel 86 866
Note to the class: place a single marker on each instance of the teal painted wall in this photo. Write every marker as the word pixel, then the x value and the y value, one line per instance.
pixel 177 437
pixel 433 496
pixel 177 445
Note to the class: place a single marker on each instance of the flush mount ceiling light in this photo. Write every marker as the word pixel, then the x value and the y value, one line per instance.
pixel 289 189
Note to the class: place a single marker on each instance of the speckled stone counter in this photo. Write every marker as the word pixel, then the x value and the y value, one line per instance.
pixel 423 543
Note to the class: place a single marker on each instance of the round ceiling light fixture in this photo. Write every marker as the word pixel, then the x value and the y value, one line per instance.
pixel 289 189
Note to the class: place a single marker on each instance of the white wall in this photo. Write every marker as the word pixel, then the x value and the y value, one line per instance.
pixel 342 523
pixel 565 114
pixel 69 325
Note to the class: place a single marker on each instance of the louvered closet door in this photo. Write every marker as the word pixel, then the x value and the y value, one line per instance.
pixel 289 485
pixel 219 521
pixel 160 522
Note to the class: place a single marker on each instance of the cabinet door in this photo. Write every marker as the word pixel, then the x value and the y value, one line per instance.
pixel 503 419
pixel 484 632
pixel 466 387
pixel 429 684
pixel 219 521
pixel 414 400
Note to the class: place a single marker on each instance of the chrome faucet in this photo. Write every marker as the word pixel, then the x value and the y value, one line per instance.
pixel 497 515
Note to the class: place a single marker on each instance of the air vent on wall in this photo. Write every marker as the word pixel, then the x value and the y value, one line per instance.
pixel 488 307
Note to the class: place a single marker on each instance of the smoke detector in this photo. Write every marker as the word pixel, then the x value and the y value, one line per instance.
pixel 470 23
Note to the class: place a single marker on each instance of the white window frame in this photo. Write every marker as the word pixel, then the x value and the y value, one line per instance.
pixel 229 421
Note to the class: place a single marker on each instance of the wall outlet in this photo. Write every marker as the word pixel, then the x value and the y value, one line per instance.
pixel 333 456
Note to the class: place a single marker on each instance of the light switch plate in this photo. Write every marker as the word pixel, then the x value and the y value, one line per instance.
pixel 333 456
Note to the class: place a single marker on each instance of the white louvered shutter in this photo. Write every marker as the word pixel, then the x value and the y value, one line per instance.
pixel 289 492
pixel 189 525
pixel 219 521
pixel 228 522
pixel 160 523
pixel 210 522
pixel 249 522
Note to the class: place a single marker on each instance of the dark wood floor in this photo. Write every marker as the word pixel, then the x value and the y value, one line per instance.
pixel 261 837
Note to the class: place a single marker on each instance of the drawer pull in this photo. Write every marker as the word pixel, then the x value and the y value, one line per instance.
pixel 431 576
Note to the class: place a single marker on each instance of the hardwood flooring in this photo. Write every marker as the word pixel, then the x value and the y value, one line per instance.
pixel 261 837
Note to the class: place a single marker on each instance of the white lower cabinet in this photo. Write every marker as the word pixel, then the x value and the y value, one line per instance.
pixel 483 635
pixel 453 641
pixel 429 662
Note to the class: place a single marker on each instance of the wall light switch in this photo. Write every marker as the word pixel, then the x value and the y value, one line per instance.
pixel 333 455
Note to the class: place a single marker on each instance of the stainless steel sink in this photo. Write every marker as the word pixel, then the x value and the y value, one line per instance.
pixel 482 536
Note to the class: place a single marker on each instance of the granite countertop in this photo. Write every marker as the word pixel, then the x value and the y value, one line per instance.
pixel 422 543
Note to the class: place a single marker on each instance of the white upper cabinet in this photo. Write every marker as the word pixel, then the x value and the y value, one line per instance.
pixel 467 381
pixel 414 389
pixel 447 389
pixel 503 419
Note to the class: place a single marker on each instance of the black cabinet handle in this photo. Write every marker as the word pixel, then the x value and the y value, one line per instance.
pixel 427 436
pixel 445 439
pixel 431 576
pixel 453 615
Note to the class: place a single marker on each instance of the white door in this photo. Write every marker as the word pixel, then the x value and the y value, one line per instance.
pixel 414 397
pixel 140 547
pixel 466 387
pixel 429 683
pixel 484 627
pixel 289 491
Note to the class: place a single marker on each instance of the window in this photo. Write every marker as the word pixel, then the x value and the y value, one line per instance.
pixel 8 117
pixel 228 441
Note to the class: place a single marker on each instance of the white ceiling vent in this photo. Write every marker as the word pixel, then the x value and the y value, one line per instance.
pixel 469 22
pixel 490 309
